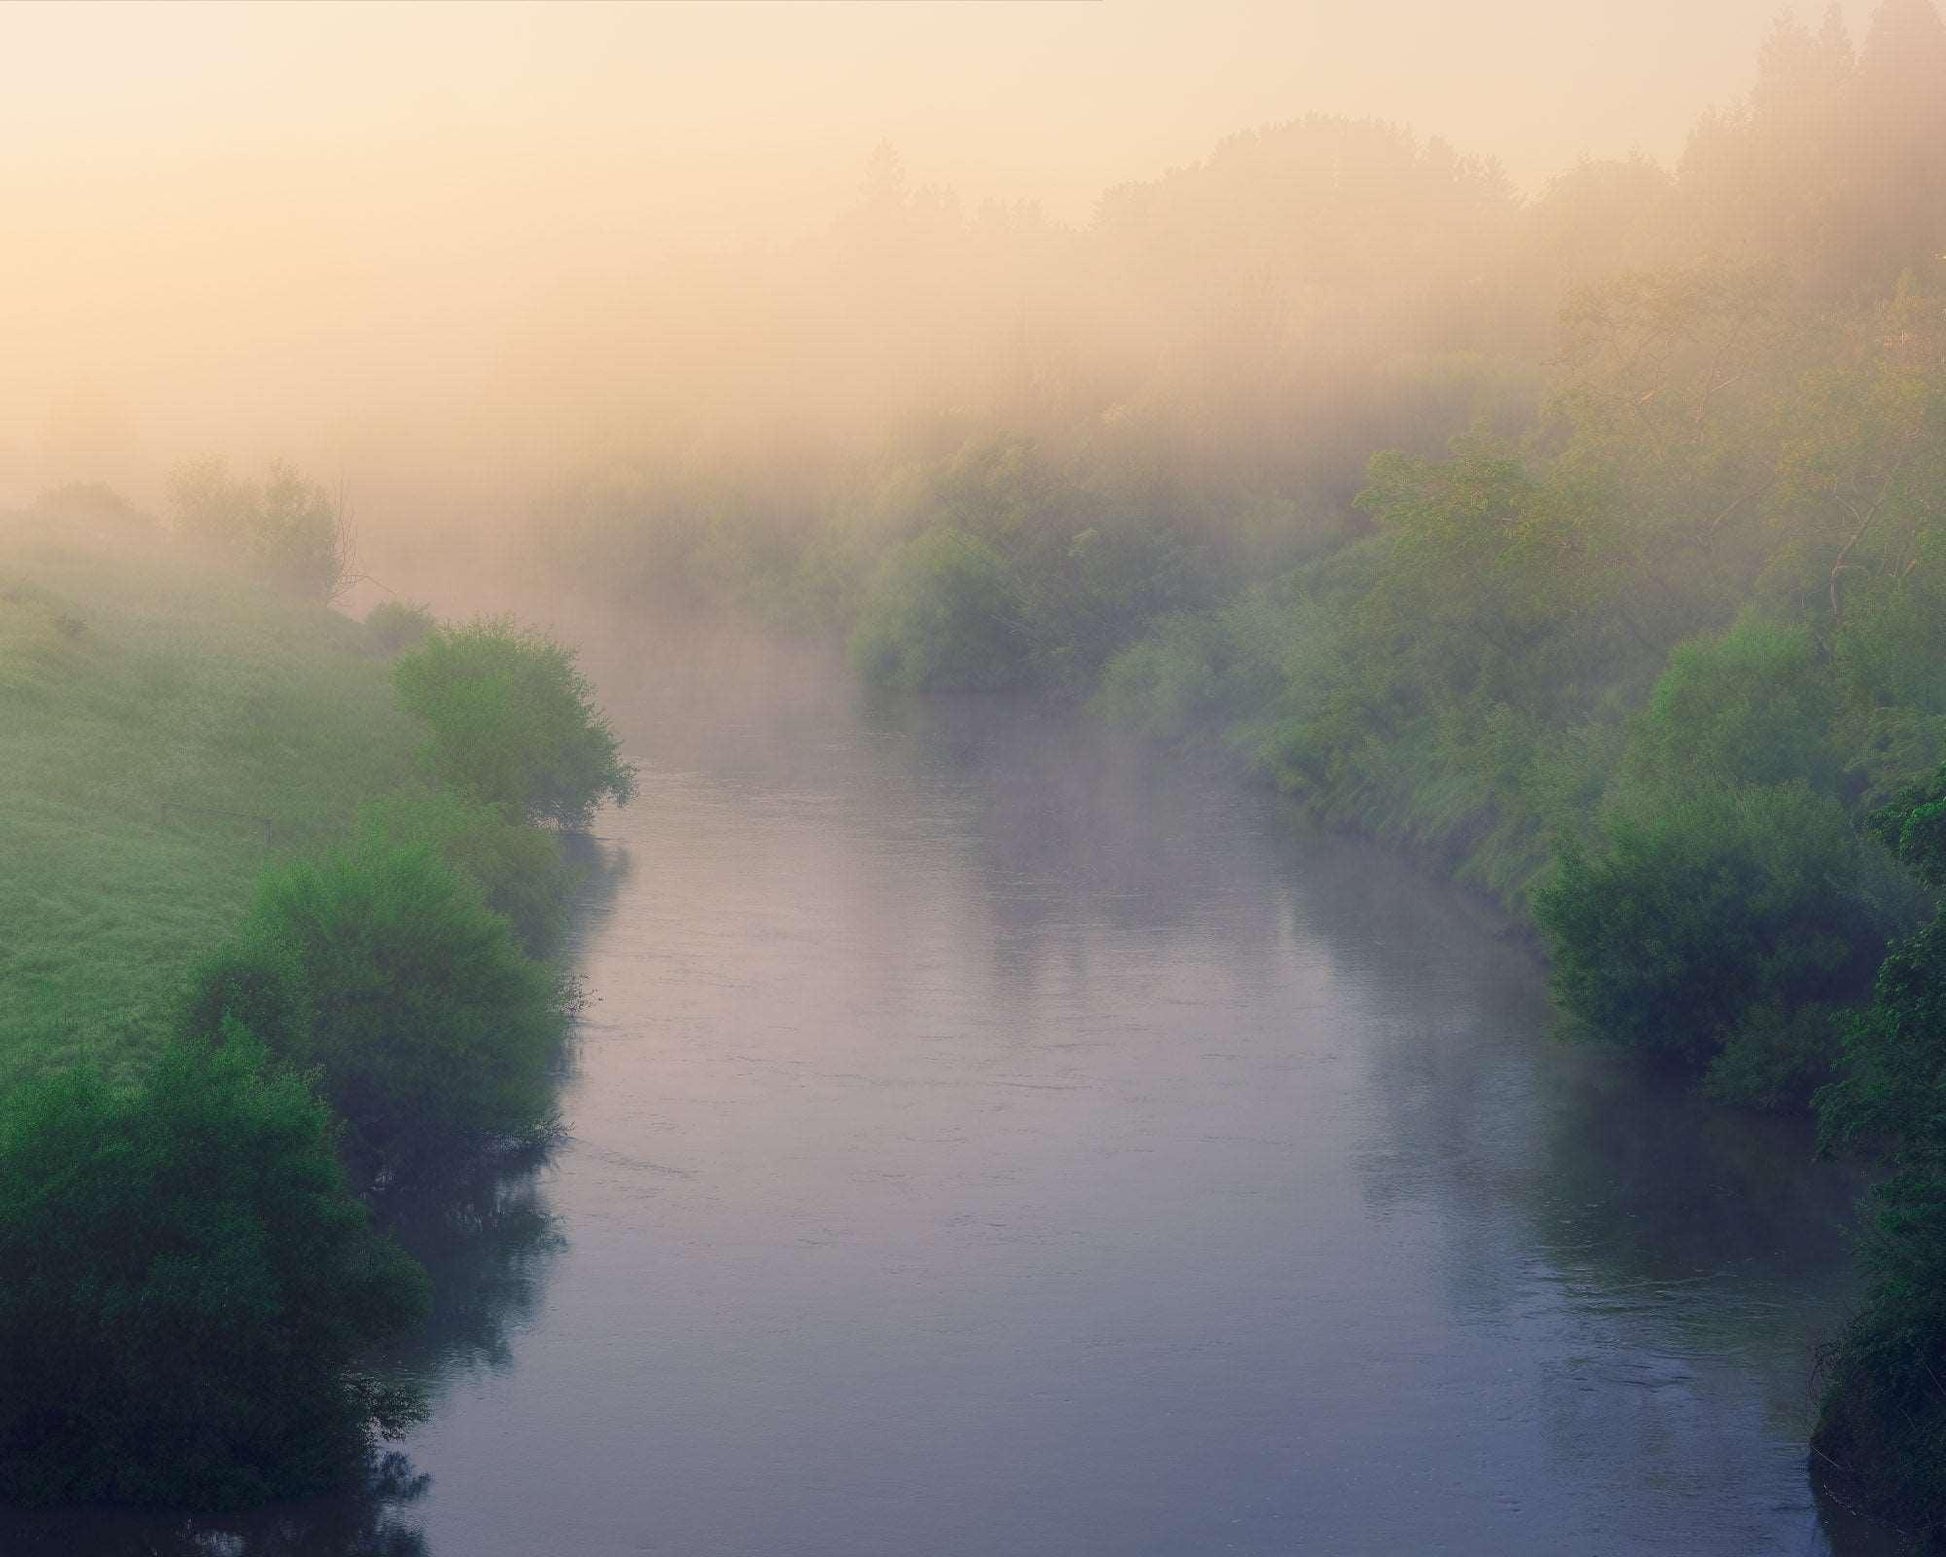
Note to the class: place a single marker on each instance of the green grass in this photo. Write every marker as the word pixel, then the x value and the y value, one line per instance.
pixel 164 730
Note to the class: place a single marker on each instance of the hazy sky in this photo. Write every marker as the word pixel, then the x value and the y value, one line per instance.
pixel 232 219
pixel 753 112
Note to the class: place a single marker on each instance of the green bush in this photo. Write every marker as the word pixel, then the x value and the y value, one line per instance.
pixel 189 1287
pixel 944 617
pixel 513 722
pixel 1883 1422
pixel 398 625
pixel 521 869
pixel 1169 682
pixel 1755 706
pixel 1087 595
pixel 383 970
pixel 1690 917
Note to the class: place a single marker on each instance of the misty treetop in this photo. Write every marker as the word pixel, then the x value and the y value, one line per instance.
pixel 283 528
pixel 398 625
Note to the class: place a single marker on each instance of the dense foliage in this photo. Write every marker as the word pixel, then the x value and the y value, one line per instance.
pixel 382 969
pixel 513 721
pixel 1717 931
pixel 190 1287
pixel 1884 1420
pixel 522 870
pixel 946 617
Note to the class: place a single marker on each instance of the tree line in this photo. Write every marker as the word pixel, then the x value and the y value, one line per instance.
pixel 1594 545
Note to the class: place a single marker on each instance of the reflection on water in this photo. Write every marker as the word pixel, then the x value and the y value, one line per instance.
pixel 485 1232
pixel 376 1524
pixel 489 1239
pixel 983 1140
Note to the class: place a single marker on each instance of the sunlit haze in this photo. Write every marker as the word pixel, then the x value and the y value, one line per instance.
pixel 294 230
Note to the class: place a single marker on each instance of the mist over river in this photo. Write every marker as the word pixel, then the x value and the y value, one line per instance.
pixel 988 1138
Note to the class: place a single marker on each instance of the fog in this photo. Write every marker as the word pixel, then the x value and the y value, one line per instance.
pixel 763 622
pixel 443 256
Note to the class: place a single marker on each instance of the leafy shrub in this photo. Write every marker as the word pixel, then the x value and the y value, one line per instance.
pixel 385 972
pixel 944 617
pixel 1168 682
pixel 283 528
pixel 1754 706
pixel 1776 1055
pixel 1089 594
pixel 1883 1422
pixel 1709 905
pixel 513 721
pixel 398 625
pixel 189 1288
pixel 521 869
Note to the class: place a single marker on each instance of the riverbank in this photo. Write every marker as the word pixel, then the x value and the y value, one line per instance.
pixel 169 728
pixel 291 892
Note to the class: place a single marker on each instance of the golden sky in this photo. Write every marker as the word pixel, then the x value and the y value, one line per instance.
pixel 194 192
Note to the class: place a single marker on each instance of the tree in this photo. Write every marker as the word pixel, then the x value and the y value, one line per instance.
pixel 283 528
pixel 513 721
pixel 381 969
pixel 1705 906
pixel 189 1289
pixel 946 616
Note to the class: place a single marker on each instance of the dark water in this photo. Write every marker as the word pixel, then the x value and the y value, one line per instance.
pixel 987 1141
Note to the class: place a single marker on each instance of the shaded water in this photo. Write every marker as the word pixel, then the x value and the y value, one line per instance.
pixel 988 1141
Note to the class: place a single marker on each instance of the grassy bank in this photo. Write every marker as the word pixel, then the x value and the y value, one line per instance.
pixel 284 894
pixel 168 728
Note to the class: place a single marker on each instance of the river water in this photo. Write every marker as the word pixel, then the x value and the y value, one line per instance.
pixel 990 1141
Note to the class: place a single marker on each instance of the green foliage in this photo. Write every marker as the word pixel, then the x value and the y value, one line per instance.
pixel 1776 1055
pixel 382 970
pixel 1169 685
pixel 513 722
pixel 189 1289
pixel 283 528
pixel 1755 706
pixel 944 617
pixel 1714 920
pixel 398 625
pixel 1883 1423
pixel 521 869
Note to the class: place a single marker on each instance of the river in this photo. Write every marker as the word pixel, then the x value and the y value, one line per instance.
pixel 989 1140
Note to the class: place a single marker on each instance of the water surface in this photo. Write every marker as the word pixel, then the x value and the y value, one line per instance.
pixel 990 1140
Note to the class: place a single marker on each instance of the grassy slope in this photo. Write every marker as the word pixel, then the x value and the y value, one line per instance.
pixel 161 731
